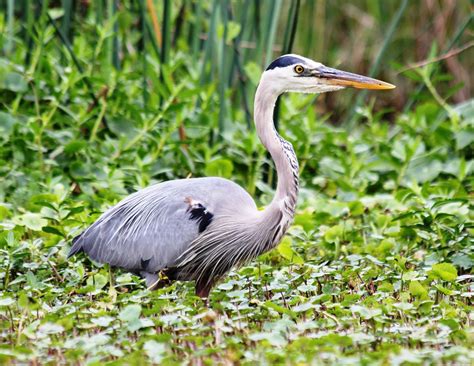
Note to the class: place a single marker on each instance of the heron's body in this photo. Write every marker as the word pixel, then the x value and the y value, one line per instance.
pixel 199 229
pixel 153 229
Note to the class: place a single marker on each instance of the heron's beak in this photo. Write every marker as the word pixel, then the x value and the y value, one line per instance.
pixel 348 79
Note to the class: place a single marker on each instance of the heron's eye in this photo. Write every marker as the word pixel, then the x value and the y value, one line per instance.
pixel 299 69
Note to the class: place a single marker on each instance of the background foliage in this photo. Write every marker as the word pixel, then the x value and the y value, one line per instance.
pixel 99 99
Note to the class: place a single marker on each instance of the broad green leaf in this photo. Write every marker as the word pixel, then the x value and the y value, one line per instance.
pixel 464 138
pixel 122 127
pixel 74 146
pixel 356 208
pixel 385 287
pixel 7 121
pixel 364 312
pixel 453 324
pixel 6 301
pixel 51 328
pixel 32 221
pixel 233 30
pixel 463 260
pixel 219 168
pixel 287 252
pixel 334 234
pixel 4 212
pixel 98 281
pixel 444 271
pixel 130 313
pixel 278 308
pixel 13 81
pixel 156 351
pixel 417 289
pixel 53 230
pixel 103 321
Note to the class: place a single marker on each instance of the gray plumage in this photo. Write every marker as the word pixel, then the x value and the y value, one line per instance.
pixel 199 229
pixel 151 229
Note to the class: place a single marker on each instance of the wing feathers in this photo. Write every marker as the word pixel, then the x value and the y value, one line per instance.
pixel 151 228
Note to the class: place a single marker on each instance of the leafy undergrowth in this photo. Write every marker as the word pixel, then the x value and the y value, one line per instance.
pixel 380 279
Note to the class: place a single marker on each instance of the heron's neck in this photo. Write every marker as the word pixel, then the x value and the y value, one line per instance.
pixel 282 154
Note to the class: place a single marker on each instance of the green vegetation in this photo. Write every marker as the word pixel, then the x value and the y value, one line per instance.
pixel 99 99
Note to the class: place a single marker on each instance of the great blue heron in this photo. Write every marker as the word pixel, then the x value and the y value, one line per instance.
pixel 200 228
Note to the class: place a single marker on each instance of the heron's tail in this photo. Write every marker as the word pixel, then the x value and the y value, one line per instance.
pixel 76 246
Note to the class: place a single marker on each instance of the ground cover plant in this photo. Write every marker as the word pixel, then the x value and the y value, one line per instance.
pixel 100 99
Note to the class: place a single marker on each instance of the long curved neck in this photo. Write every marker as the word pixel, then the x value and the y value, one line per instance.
pixel 282 154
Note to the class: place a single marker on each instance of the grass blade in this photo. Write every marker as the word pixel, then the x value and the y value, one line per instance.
pixel 115 42
pixel 166 32
pixel 10 22
pixel 208 49
pixel 196 29
pixel 290 33
pixel 142 49
pixel 272 26
pixel 290 30
pixel 67 18
pixel 179 23
pixel 154 21
pixel 237 64
pixel 223 63
pixel 28 20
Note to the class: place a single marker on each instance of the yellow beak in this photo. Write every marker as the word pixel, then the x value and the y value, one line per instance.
pixel 348 79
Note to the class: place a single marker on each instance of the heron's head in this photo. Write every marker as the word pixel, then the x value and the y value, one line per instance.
pixel 299 74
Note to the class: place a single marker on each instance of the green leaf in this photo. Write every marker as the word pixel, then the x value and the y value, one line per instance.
pixel 130 313
pixel 233 30
pixel 279 309
pixel 305 219
pixel 74 146
pixel 425 307
pixel 6 301
pixel 464 138
pixel 51 328
pixel 462 260
pixel 356 208
pixel 219 168
pixel 417 289
pixel 385 287
pixel 103 321
pixel 287 252
pixel 7 121
pixel 4 212
pixel 443 289
pixel 98 281
pixel 444 271
pixel 366 313
pixel 32 221
pixel 334 234
pixel 122 127
pixel 53 230
pixel 156 351
pixel 453 324
pixel 335 339
pixel 13 81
